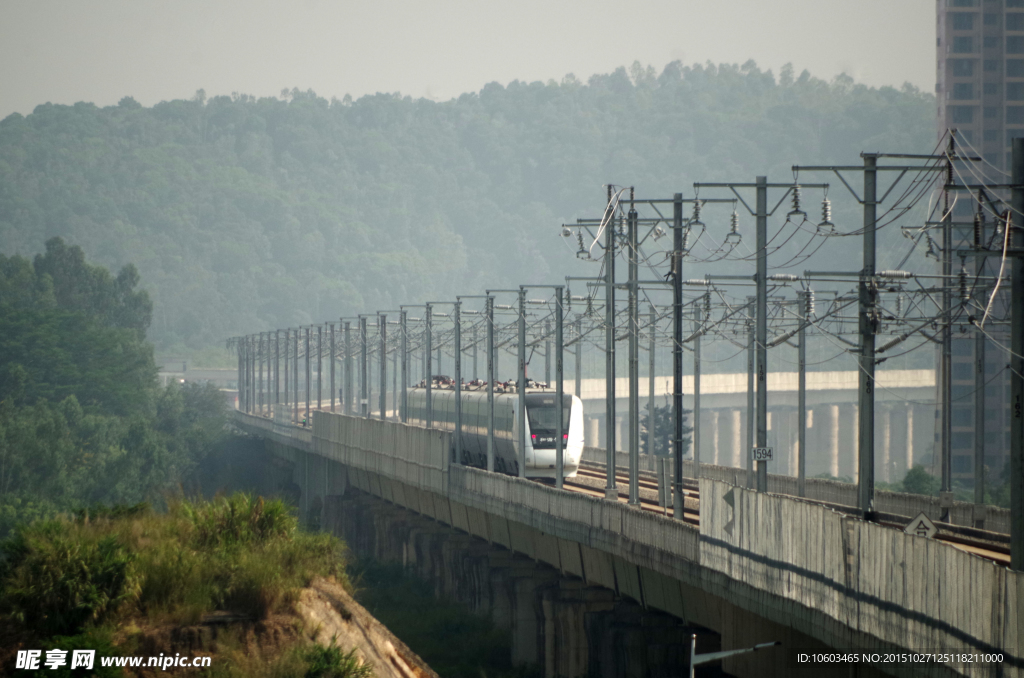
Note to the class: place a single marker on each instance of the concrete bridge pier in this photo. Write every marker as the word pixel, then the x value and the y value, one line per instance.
pixel 592 432
pixel 709 436
pixel 556 621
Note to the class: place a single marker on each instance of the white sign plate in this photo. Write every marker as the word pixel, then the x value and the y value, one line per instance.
pixel 762 454
pixel 921 526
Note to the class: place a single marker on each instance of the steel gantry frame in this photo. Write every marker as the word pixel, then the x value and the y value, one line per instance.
pixel 260 355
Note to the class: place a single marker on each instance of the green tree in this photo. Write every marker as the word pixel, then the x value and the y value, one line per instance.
pixel 81 417
pixel 664 430
pixel 919 481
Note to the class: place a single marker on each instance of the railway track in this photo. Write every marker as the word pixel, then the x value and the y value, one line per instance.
pixel 592 478
pixel 690 516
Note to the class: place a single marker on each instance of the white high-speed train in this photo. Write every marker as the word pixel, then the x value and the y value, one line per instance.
pixel 541 426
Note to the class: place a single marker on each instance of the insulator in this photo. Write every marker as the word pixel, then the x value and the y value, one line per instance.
pixel 686 241
pixel 582 252
pixel 889 344
pixel 695 219
pixel 1001 224
pixel 796 202
pixel 707 306
pixel 826 227
pixel 899 305
pixel 590 305
pixel 784 277
pixel 894 274
pixel 932 249
pixel 979 225
pixel 965 296
pixel 809 298
pixel 734 237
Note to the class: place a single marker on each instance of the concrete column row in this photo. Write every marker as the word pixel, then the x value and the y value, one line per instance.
pixel 901 439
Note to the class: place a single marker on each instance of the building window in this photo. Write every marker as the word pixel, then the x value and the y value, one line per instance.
pixel 1015 67
pixel 1014 115
pixel 963 371
pixel 991 112
pixel 963 21
pixel 1012 134
pixel 991 88
pixel 991 65
pixel 1015 3
pixel 991 41
pixel 1015 21
pixel 1014 44
pixel 961 114
pixel 991 19
pixel 963 417
pixel 966 3
pixel 964 68
pixel 1015 91
pixel 963 44
pixel 963 91
pixel 962 440
pixel 963 463
pixel 991 136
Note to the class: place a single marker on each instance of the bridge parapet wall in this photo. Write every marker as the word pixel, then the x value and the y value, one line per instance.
pixel 825 490
pixel 413 455
pixel 882 582
pixel 286 434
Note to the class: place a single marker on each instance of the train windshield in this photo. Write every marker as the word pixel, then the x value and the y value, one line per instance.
pixel 543 414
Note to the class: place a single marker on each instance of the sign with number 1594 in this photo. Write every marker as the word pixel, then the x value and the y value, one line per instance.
pixel 762 454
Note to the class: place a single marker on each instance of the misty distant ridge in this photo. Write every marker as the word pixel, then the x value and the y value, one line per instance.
pixel 244 214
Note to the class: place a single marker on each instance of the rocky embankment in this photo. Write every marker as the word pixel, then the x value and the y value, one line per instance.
pixel 324 613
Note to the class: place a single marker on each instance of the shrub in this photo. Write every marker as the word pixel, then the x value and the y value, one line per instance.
pixel 238 519
pixel 331 662
pixel 56 579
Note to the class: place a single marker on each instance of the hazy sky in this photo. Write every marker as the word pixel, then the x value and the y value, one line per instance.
pixel 66 51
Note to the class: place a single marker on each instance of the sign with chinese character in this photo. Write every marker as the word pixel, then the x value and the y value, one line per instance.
pixel 921 526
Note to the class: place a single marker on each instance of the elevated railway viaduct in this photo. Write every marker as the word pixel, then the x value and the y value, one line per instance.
pixel 594 587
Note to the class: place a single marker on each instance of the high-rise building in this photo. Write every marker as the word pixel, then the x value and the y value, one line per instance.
pixel 980 94
pixel 980 87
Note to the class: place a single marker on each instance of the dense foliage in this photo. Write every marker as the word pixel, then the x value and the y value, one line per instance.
pixel 104 574
pixel 244 214
pixel 82 419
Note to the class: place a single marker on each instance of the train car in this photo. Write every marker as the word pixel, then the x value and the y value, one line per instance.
pixel 541 425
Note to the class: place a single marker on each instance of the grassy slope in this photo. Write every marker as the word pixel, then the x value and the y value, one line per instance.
pixel 117 579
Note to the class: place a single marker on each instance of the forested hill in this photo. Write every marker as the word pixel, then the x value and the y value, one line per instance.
pixel 244 214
